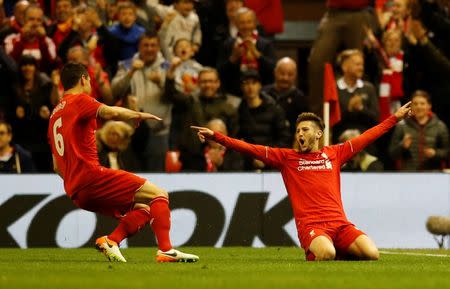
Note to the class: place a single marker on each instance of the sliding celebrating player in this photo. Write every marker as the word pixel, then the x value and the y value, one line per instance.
pixel 312 179
pixel 133 200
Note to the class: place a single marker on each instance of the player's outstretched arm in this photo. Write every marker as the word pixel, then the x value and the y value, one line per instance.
pixel 357 144
pixel 124 114
pixel 271 156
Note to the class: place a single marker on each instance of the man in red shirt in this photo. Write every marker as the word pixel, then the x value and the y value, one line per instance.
pixel 32 40
pixel 312 179
pixel 131 199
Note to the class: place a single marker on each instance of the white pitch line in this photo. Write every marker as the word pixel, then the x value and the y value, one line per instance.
pixel 414 254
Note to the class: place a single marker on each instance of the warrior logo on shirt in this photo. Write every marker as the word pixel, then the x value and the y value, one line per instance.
pixel 318 164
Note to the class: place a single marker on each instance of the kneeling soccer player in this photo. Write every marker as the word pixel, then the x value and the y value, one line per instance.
pixel 312 179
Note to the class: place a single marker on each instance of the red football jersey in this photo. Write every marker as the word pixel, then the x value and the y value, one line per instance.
pixel 71 135
pixel 312 180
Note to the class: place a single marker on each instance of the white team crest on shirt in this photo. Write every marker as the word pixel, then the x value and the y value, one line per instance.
pixel 312 233
pixel 327 161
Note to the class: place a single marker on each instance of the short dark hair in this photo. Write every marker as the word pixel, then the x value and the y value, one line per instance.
pixel 148 34
pixel 421 93
pixel 250 74
pixel 126 5
pixel 208 69
pixel 27 59
pixel 8 126
pixel 309 116
pixel 71 73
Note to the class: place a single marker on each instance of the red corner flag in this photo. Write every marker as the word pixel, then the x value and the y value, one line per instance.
pixel 330 95
pixel 269 13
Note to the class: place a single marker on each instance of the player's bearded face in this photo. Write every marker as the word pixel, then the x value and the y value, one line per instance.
pixel 306 136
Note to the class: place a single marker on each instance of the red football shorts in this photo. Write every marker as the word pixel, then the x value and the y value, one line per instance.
pixel 110 193
pixel 342 235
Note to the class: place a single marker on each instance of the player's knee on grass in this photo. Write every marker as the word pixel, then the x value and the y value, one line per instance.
pixel 371 254
pixel 364 249
pixel 325 254
pixel 323 249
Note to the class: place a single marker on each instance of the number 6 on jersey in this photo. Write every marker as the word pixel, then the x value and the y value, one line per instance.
pixel 59 141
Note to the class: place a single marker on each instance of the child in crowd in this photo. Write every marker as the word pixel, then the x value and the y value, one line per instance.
pixel 127 30
pixel 180 21
pixel 186 74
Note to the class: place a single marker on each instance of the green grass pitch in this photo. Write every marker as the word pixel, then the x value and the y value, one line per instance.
pixel 218 268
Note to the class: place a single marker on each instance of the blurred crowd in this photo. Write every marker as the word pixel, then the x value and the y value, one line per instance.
pixel 213 63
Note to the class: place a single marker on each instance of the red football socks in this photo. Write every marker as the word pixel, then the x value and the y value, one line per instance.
pixel 130 224
pixel 160 222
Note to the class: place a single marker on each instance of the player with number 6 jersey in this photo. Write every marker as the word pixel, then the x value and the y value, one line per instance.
pixel 133 200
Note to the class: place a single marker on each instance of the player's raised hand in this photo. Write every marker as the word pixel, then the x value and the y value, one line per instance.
pixel 203 132
pixel 404 111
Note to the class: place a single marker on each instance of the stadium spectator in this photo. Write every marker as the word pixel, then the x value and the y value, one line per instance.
pixel 186 73
pixel 113 149
pixel 434 15
pixel 285 92
pixel 8 79
pixel 13 158
pixel 32 40
pixel 217 157
pixel 132 200
pixel 357 98
pixel 397 17
pixel 147 16
pixel 14 23
pixel 211 103
pixel 144 77
pixel 230 28
pixel 362 161
pixel 83 33
pixel 429 54
pixel 32 106
pixel 390 59
pixel 63 23
pixel 434 56
pixel 382 10
pixel 180 21
pixel 101 88
pixel 109 45
pixel 342 26
pixel 422 142
pixel 261 120
pixel 247 51
pixel 312 179
pixel 127 30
